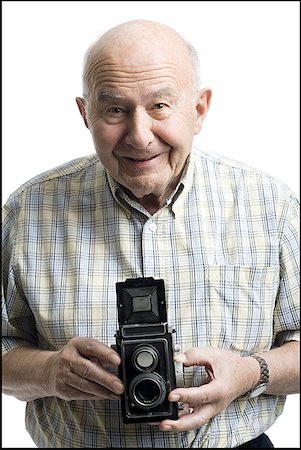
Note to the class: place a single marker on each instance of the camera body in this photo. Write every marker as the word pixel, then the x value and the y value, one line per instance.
pixel 144 343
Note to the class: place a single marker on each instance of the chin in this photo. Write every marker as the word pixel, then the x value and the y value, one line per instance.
pixel 141 193
pixel 142 187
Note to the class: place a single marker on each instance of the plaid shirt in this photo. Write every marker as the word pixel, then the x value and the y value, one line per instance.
pixel 226 245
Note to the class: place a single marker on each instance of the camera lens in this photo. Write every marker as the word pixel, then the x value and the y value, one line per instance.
pixel 147 390
pixel 145 358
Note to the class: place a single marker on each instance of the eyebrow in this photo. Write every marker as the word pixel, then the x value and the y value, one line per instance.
pixel 108 94
pixel 166 92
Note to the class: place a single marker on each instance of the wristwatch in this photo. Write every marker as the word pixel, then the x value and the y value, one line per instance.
pixel 261 386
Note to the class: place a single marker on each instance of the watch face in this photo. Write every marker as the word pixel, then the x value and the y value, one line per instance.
pixel 258 390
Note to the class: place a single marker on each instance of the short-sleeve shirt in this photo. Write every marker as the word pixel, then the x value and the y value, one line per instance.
pixel 225 244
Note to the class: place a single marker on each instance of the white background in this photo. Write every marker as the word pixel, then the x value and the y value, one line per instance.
pixel 249 55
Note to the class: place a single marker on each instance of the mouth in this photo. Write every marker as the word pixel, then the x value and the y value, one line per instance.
pixel 141 159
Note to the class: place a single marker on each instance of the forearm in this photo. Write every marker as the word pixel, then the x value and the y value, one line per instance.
pixel 284 368
pixel 25 373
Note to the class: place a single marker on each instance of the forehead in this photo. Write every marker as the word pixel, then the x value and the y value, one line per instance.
pixel 112 79
pixel 129 63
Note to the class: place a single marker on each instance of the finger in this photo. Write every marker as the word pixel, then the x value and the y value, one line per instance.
pixel 82 385
pixel 91 348
pixel 196 356
pixel 195 419
pixel 88 370
pixel 193 396
pixel 185 423
pixel 71 393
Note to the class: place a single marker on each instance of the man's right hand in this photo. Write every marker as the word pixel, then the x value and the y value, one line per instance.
pixel 78 371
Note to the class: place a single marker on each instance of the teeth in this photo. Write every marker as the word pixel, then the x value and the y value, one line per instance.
pixel 146 159
pixel 141 159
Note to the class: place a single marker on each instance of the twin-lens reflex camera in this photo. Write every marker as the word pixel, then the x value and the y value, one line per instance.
pixel 145 345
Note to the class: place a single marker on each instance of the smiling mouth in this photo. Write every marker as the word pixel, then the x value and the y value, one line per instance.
pixel 141 159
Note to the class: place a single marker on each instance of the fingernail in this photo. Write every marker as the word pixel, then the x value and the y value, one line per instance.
pixel 114 359
pixel 117 387
pixel 180 357
pixel 174 397
pixel 166 428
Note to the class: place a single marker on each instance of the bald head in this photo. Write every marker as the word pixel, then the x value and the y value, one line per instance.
pixel 140 43
pixel 142 30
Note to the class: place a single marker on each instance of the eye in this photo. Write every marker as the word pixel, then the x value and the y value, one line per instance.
pixel 114 110
pixel 113 114
pixel 159 106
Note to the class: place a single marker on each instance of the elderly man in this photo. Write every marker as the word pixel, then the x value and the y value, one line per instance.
pixel 149 205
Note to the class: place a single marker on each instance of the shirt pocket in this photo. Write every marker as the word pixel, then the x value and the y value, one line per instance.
pixel 239 304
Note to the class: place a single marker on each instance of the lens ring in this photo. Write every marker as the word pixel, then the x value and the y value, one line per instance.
pixel 145 358
pixel 147 390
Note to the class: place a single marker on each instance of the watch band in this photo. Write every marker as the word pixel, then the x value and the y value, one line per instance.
pixel 261 386
pixel 264 369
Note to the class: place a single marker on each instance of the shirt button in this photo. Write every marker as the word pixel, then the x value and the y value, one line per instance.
pixel 152 226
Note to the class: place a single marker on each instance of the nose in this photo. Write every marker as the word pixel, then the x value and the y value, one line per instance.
pixel 139 131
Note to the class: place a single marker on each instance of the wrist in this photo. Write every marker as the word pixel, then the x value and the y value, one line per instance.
pixel 261 384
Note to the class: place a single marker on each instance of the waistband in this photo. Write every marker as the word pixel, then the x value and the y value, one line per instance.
pixel 261 441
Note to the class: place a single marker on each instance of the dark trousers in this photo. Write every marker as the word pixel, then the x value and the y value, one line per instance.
pixel 261 441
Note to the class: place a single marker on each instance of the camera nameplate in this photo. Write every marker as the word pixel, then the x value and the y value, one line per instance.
pixel 139 330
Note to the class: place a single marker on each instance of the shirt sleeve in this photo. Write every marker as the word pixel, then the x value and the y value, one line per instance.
pixel 287 308
pixel 18 324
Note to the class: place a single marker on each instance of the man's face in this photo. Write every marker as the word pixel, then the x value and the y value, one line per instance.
pixel 142 115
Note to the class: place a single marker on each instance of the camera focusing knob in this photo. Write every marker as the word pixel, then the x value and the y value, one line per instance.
pixel 176 348
pixel 179 367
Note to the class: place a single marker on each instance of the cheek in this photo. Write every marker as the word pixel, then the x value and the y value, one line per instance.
pixel 105 135
pixel 178 131
pixel 183 122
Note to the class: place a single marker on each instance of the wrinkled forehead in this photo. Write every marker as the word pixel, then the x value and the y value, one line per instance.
pixel 137 55
pixel 109 73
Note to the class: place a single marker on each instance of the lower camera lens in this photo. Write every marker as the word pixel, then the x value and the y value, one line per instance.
pixel 147 390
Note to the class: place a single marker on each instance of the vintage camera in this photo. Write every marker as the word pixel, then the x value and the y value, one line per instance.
pixel 144 343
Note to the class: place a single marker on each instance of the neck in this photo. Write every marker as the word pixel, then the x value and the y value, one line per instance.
pixel 150 202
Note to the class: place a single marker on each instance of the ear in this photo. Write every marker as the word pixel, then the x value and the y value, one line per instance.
pixel 202 106
pixel 82 109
